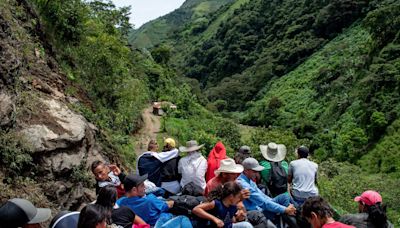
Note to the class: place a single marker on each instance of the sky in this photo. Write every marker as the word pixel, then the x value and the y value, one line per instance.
pixel 143 11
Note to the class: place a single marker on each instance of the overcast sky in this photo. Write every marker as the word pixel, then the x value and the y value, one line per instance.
pixel 143 11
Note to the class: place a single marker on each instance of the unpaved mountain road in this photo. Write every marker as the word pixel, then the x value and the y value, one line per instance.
pixel 150 129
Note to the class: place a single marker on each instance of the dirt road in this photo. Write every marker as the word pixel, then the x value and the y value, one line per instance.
pixel 151 127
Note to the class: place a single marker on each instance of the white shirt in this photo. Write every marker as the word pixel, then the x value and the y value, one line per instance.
pixel 304 173
pixel 193 168
pixel 114 180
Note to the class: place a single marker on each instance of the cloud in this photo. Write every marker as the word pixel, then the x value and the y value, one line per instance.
pixel 143 11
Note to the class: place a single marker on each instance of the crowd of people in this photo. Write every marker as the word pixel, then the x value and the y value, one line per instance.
pixel 181 188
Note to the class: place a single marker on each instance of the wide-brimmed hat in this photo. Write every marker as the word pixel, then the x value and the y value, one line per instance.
pixel 228 166
pixel 191 145
pixel 273 152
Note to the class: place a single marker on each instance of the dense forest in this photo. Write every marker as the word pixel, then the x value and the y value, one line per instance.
pixel 320 73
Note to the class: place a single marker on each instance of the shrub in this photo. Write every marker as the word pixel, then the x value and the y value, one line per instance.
pixel 15 153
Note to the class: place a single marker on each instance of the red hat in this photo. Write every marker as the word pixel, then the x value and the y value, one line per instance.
pixel 369 198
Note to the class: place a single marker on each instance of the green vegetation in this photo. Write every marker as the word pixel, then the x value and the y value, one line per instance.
pixel 160 30
pixel 15 153
pixel 325 74
pixel 320 73
pixel 90 42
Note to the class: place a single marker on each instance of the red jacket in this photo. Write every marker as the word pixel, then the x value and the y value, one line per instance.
pixel 216 155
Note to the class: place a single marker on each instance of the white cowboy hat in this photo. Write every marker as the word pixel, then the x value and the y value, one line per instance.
pixel 229 166
pixel 273 152
pixel 190 146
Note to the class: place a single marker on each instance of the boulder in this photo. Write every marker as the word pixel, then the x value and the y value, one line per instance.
pixel 61 128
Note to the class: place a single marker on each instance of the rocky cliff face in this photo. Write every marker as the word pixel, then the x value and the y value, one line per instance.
pixel 34 104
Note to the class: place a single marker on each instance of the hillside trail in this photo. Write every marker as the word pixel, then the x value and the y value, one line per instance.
pixel 150 129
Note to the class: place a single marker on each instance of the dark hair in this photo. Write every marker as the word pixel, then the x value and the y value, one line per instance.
pixel 377 215
pixel 303 151
pixel 225 190
pixel 167 147
pixel 91 215
pixel 95 164
pixel 107 197
pixel 239 157
pixel 318 205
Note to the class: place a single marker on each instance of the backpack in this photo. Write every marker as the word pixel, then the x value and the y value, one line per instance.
pixel 277 182
pixel 184 204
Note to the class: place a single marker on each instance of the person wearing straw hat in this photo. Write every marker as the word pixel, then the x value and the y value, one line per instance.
pixel 228 171
pixel 302 176
pixel 22 213
pixel 192 167
pixel 274 176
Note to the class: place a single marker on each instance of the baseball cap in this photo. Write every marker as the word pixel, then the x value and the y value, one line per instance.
pixel 369 198
pixel 251 163
pixel 244 150
pixel 18 212
pixel 133 180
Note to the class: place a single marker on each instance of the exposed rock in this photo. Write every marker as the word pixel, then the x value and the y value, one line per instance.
pixel 62 162
pixel 6 109
pixel 71 128
pixel 69 196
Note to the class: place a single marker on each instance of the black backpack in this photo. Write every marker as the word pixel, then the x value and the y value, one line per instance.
pixel 184 204
pixel 277 182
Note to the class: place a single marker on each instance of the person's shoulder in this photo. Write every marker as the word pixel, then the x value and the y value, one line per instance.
pixel 123 210
pixel 349 218
pixel 294 162
pixel 337 225
pixel 313 163
pixel 265 163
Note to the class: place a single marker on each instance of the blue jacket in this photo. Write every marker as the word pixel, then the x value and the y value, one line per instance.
pixel 149 208
pixel 257 198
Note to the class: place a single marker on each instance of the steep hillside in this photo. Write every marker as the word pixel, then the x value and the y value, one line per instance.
pixel 45 146
pixel 162 29
pixel 320 73
pixel 71 92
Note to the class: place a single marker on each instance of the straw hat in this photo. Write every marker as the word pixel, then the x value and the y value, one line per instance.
pixel 273 152
pixel 191 146
pixel 229 166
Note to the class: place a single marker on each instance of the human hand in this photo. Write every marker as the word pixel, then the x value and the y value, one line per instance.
pixel 219 222
pixel 170 203
pixel 290 210
pixel 240 215
pixel 115 169
pixel 245 194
